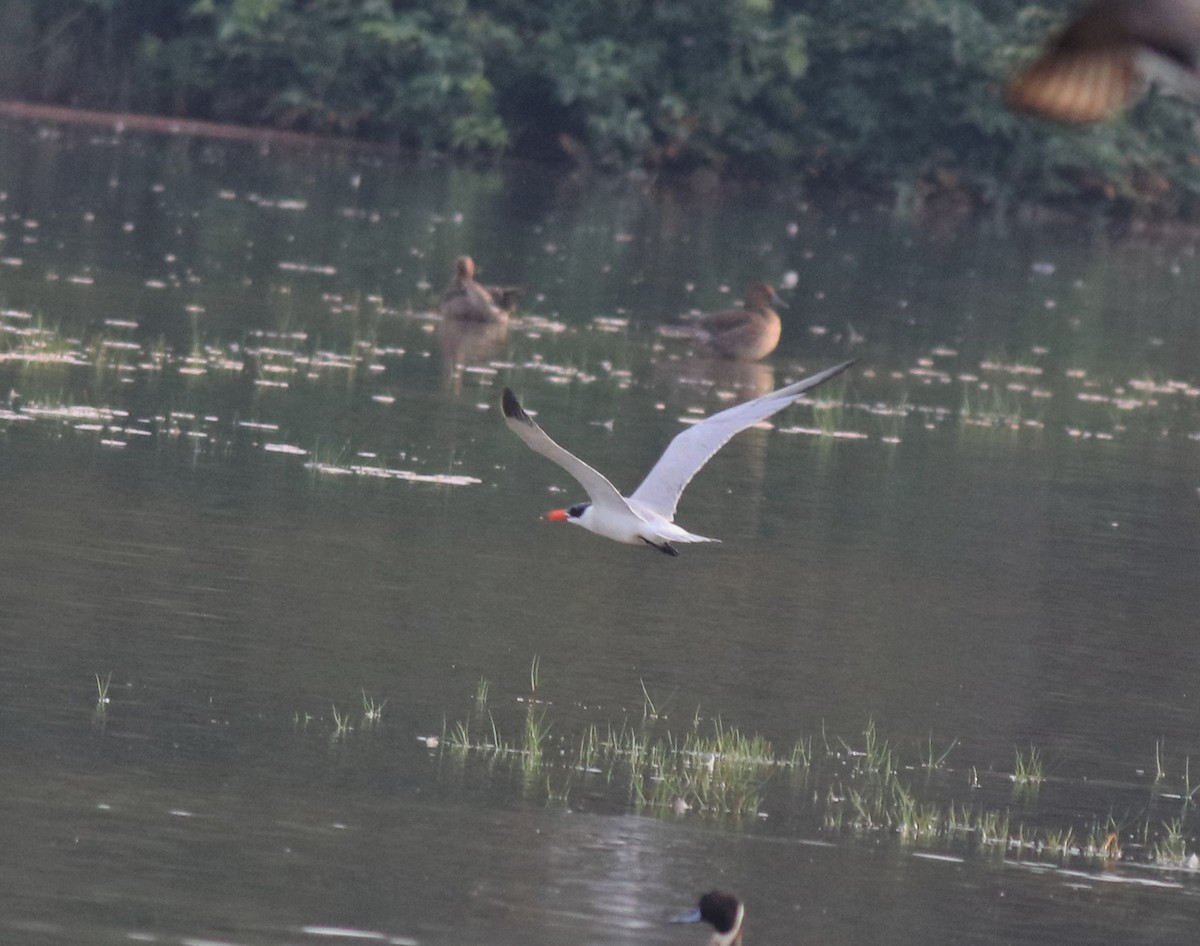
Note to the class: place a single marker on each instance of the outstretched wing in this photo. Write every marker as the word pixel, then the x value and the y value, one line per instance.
pixel 1077 86
pixel 601 492
pixel 692 448
pixel 1101 60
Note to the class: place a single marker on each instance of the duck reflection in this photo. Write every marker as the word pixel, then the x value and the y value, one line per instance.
pixel 746 379
pixel 464 344
pixel 720 383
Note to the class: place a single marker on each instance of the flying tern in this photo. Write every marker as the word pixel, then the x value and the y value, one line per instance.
pixel 647 515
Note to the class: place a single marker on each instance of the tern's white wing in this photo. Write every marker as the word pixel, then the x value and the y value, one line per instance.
pixel 692 448
pixel 599 489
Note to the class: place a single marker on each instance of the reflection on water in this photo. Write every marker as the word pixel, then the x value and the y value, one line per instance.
pixel 468 347
pixel 250 474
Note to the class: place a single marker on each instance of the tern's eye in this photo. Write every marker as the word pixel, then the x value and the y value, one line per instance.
pixel 576 511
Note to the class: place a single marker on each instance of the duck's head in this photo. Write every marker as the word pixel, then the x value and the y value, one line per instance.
pixel 464 267
pixel 573 514
pixel 724 911
pixel 762 296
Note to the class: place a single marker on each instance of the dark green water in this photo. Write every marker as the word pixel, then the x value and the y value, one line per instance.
pixel 245 471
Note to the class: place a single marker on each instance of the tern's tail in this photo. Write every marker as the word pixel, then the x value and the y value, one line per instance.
pixel 686 536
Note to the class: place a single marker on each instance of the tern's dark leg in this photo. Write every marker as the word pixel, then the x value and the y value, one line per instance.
pixel 666 547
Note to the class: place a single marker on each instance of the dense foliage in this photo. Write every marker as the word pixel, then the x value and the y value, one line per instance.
pixel 889 96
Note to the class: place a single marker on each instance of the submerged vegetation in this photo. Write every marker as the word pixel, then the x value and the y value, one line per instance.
pixel 899 98
pixel 865 786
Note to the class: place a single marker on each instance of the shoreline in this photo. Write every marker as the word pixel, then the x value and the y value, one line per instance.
pixel 187 127
pixel 940 209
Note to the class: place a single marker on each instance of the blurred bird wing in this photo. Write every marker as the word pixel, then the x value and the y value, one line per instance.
pixel 1107 54
pixel 1077 86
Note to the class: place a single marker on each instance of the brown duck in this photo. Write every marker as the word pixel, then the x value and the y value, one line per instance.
pixel 467 300
pixel 1104 57
pixel 745 334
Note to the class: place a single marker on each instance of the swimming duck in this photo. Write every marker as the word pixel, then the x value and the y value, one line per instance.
pixel 721 909
pixel 745 334
pixel 1103 58
pixel 466 299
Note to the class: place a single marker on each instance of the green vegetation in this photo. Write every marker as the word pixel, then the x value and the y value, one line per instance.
pixel 898 99
pixel 716 771
pixel 1171 846
pixel 372 711
pixel 1027 769
pixel 102 693
pixel 342 725
pixel 859 787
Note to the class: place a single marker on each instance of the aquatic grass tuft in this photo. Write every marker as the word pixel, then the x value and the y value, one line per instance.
pixel 102 692
pixel 999 405
pixel 1186 793
pixel 372 711
pixel 534 734
pixel 341 725
pixel 326 456
pixel 458 739
pixel 859 786
pixel 589 751
pixel 1027 769
pixel 934 762
pixel 100 712
pixel 649 711
pixel 802 754
pixel 1060 843
pixel 534 672
pixel 993 828
pixel 1170 850
pixel 830 409
pixel 1189 790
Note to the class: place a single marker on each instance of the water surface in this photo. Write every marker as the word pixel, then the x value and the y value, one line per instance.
pixel 249 475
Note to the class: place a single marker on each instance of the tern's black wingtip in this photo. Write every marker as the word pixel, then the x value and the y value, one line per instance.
pixel 837 370
pixel 511 406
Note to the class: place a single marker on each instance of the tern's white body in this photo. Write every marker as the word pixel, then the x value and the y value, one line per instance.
pixel 647 516
pixel 634 525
